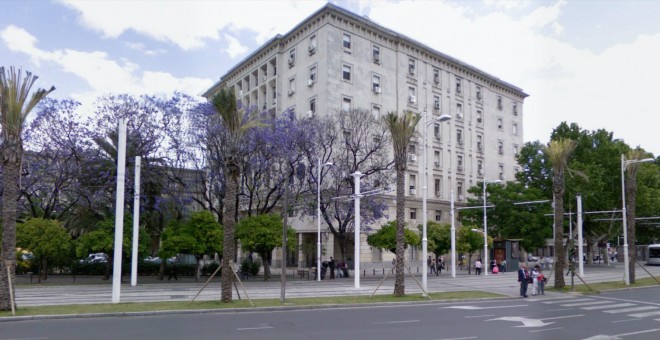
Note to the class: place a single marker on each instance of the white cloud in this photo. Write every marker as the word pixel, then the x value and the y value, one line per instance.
pixel 142 48
pixel 100 71
pixel 190 24
pixel 234 47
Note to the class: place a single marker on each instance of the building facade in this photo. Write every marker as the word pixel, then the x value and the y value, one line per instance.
pixel 336 60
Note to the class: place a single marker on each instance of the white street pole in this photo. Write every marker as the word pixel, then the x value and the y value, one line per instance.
pixel 453 237
pixel 626 264
pixel 579 226
pixel 119 212
pixel 424 212
pixel 136 222
pixel 318 218
pixel 485 263
pixel 356 255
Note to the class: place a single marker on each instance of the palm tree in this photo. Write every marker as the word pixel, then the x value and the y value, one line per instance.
pixel 631 201
pixel 15 104
pixel 402 129
pixel 236 122
pixel 558 152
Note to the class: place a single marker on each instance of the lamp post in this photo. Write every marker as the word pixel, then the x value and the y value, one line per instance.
pixel 485 263
pixel 318 217
pixel 425 269
pixel 626 260
pixel 453 237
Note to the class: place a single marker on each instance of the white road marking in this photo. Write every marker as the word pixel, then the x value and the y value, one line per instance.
pixel 393 322
pixel 634 309
pixel 547 329
pixel 479 316
pixel 643 315
pixel 470 337
pixel 616 305
pixel 637 319
pixel 639 332
pixel 585 303
pixel 253 328
pixel 564 301
pixel 563 317
pixel 557 310
pixel 477 307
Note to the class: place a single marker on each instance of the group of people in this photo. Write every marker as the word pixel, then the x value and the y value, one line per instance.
pixel 435 266
pixel 535 277
pixel 494 266
pixel 340 266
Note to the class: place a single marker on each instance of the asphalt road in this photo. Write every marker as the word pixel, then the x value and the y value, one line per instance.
pixel 631 314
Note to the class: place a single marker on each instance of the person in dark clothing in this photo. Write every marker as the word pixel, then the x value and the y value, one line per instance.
pixel 332 267
pixel 523 279
pixel 173 270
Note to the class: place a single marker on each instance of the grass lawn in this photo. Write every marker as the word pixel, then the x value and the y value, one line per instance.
pixel 601 286
pixel 199 305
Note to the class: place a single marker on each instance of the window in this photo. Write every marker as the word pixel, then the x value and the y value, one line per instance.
pixel 412 99
pixel 459 163
pixel 501 168
pixel 515 150
pixel 436 131
pixel 438 187
pixel 499 103
pixel 459 111
pixel 480 118
pixel 412 182
pixel 292 57
pixel 312 44
pixel 500 147
pixel 411 66
pixel 375 109
pixel 436 102
pixel 375 83
pixel 312 75
pixel 515 108
pixel 436 76
pixel 436 159
pixel 514 129
pixel 459 82
pixel 346 72
pixel 292 86
pixel 459 190
pixel 500 123
pixel 480 167
pixel 312 105
pixel 346 103
pixel 346 41
pixel 413 213
pixel 413 150
pixel 375 54
pixel 478 93
pixel 480 144
pixel 438 215
pixel 459 136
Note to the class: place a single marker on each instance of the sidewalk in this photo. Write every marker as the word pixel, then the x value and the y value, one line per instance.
pixel 503 283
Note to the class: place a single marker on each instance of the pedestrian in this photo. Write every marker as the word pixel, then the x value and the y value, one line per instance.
pixel 542 263
pixel 535 279
pixel 477 267
pixel 504 266
pixel 432 268
pixel 340 273
pixel 173 269
pixel 523 278
pixel 541 278
pixel 492 265
pixel 496 269
pixel 332 267
pixel 441 265
pixel 429 262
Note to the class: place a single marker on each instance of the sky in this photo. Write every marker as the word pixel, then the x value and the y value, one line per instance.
pixel 593 62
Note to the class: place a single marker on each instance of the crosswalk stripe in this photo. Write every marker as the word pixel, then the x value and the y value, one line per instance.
pixel 643 315
pixel 585 303
pixel 627 310
pixel 564 301
pixel 616 305
pixel 547 299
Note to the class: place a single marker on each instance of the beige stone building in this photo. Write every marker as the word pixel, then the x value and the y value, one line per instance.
pixel 336 60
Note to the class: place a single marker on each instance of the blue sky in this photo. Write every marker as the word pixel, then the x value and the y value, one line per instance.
pixel 589 62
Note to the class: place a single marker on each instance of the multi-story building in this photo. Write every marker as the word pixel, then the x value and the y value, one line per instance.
pixel 336 60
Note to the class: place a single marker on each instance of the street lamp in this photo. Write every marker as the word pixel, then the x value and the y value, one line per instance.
pixel 486 225
pixel 318 217
pixel 425 269
pixel 624 163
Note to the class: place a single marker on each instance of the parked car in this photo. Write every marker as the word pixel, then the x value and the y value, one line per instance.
pixel 531 258
pixel 95 258
pixel 153 259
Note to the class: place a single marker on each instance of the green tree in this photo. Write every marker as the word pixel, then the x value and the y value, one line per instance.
pixel 47 240
pixel 558 152
pixel 237 123
pixel 402 129
pixel 439 237
pixel 261 234
pixel 469 241
pixel 385 237
pixel 102 240
pixel 15 105
pixel 200 235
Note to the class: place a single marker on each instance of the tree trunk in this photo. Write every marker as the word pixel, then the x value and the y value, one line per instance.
pixel 266 262
pixel 43 271
pixel 197 269
pixel 560 256
pixel 229 224
pixel 399 284
pixel 631 193
pixel 11 169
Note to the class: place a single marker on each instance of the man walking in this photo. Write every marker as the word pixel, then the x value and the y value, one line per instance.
pixel 332 267
pixel 523 279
